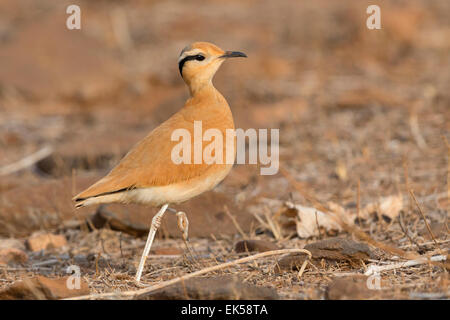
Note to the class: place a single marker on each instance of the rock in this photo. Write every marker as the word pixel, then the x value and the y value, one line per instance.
pixel 254 245
pixel 106 218
pixel 329 250
pixel 43 288
pixel 215 288
pixel 32 203
pixel 340 249
pixel 205 212
pixel 290 262
pixel 207 216
pixel 12 255
pixel 352 288
pixel 44 241
pixel 50 200
pixel 11 243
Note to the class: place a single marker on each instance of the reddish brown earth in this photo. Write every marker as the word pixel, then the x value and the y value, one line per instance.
pixel 351 104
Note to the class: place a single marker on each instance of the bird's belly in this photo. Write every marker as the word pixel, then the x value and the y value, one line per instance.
pixel 177 192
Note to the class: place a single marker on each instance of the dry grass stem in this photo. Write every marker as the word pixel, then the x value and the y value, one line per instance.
pixel 27 161
pixel 136 293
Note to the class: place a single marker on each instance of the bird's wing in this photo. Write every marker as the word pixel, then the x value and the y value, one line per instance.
pixel 149 163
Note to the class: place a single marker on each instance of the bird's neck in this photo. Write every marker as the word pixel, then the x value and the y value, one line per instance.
pixel 200 86
pixel 206 93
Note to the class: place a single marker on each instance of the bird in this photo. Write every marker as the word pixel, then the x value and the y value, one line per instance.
pixel 147 174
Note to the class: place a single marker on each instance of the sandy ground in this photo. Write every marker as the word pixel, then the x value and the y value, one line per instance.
pixel 363 115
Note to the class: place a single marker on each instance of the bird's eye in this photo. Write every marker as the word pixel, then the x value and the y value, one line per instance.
pixel 199 57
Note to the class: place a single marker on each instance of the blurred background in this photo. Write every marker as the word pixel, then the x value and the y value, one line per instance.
pixel 351 103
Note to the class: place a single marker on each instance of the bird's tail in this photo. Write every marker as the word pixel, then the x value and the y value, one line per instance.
pixel 107 198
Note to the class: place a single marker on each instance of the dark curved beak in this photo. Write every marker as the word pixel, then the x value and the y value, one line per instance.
pixel 233 54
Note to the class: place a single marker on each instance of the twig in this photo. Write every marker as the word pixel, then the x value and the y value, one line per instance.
pixel 318 226
pixel 424 243
pixel 414 125
pixel 269 224
pixel 406 231
pixel 233 219
pixel 27 161
pixel 274 227
pixel 423 217
pixel 358 201
pixel 406 174
pixel 136 293
pixel 44 263
pixel 410 263
pixel 302 269
pixel 429 295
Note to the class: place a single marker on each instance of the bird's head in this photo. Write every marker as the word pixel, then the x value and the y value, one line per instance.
pixel 199 62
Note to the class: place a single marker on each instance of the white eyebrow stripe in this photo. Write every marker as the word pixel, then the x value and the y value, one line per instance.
pixel 189 53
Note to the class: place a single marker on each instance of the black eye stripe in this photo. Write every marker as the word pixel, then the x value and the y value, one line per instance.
pixel 197 57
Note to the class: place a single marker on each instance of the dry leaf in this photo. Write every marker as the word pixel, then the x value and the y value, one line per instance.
pixel 308 219
pixel 388 207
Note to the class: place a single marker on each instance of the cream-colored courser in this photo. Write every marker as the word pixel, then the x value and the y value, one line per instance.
pixel 147 174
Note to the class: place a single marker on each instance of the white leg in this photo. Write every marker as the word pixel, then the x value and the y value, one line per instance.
pixel 156 222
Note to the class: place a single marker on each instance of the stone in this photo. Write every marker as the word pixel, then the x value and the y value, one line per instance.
pixel 12 255
pixel 44 241
pixel 353 288
pixel 214 288
pixel 104 218
pixel 11 243
pixel 43 288
pixel 330 250
pixel 254 245
pixel 340 249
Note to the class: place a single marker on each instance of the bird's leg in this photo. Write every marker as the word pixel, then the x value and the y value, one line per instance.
pixel 156 222
pixel 183 225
